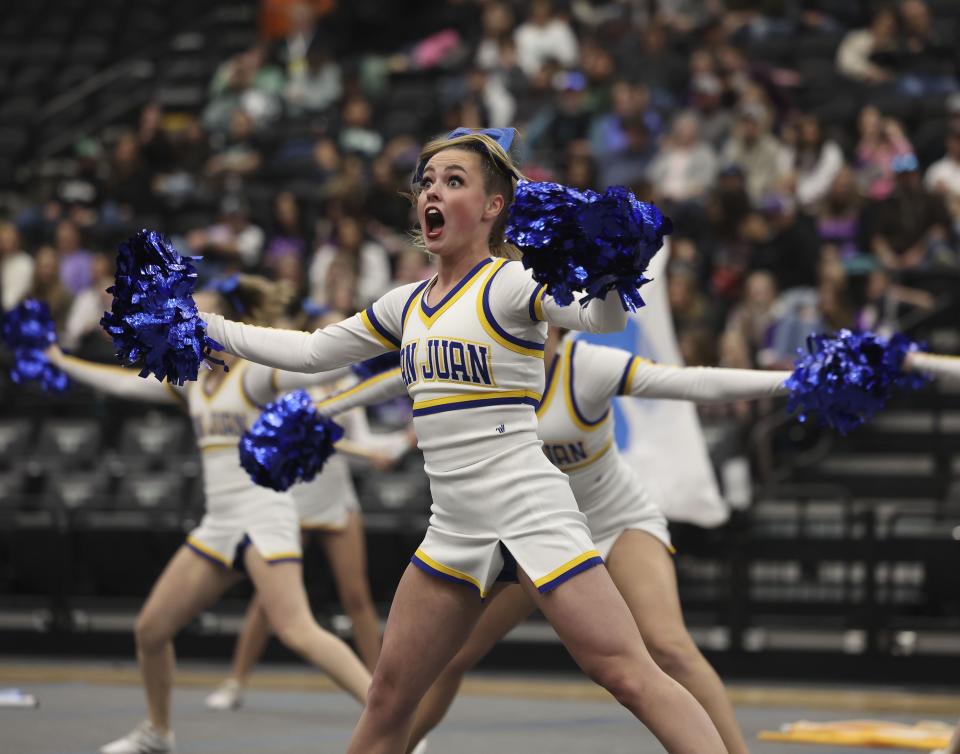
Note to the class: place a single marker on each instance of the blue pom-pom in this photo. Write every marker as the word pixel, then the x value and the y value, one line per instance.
pixel 288 443
pixel 378 364
pixel 28 330
pixel 153 321
pixel 543 225
pixel 584 241
pixel 848 377
pixel 622 234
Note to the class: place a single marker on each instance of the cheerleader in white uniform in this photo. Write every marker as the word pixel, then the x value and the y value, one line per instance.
pixel 329 511
pixel 629 529
pixel 246 528
pixel 471 342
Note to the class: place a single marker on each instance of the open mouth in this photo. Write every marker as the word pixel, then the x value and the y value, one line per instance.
pixel 434 221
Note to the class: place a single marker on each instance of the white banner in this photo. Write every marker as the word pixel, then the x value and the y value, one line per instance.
pixel 663 440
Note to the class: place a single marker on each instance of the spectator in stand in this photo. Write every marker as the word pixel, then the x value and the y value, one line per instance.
pixel 943 177
pixel 787 245
pixel 658 65
pixel 608 130
pixel 16 267
pixel 289 234
pixel 498 25
pixel 73 260
pixel 725 245
pixel 240 155
pixel 232 244
pixel 385 204
pixel 357 131
pixel 567 119
pixel 83 319
pixel 318 88
pixel 412 266
pixel 545 35
pixel 816 160
pixel 753 318
pixel 757 152
pixel 350 254
pixel 128 186
pixel 244 82
pixel 881 139
pixel 840 223
pixel 686 166
pixel 856 53
pixel 48 287
pixel 927 57
pixel 302 37
pixel 631 163
pixel 156 150
pixel 706 98
pixel 931 132
pixel 580 170
pixel 690 309
pixel 912 229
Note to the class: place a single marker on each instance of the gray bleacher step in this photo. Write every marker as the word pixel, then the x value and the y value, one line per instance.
pixel 881 476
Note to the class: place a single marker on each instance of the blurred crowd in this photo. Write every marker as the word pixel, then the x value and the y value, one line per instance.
pixel 808 153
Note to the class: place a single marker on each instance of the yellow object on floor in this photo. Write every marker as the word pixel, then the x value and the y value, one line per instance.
pixel 925 735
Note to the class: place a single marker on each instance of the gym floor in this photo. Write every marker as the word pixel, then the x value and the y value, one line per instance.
pixel 84 704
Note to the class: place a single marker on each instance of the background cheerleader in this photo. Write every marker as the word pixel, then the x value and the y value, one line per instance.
pixel 245 530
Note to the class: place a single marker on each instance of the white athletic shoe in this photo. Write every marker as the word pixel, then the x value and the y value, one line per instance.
pixel 228 696
pixel 421 747
pixel 144 739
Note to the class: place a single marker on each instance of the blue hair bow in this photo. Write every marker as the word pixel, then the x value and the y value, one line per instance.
pixel 503 136
pixel 227 287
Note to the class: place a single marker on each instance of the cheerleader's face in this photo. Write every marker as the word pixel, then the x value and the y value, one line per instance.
pixel 454 209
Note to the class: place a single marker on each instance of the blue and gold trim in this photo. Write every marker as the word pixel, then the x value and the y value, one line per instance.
pixel 626 381
pixel 284 557
pixel 430 314
pixel 493 328
pixel 427 564
pixel 207 554
pixel 408 307
pixel 377 330
pixel 549 388
pixel 578 418
pixel 568 570
pixel 366 384
pixel 476 400
pixel 535 307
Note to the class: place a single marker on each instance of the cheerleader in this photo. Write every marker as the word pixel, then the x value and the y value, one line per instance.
pixel 246 529
pixel 329 513
pixel 472 344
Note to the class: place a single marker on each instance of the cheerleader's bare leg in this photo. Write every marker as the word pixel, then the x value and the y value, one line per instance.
pixel 347 554
pixel 509 608
pixel 284 600
pixel 428 623
pixel 597 628
pixel 187 585
pixel 655 604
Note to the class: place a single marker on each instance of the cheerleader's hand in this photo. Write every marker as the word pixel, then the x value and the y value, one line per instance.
pixel 53 353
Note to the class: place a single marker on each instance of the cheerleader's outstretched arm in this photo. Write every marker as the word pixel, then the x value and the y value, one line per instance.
pixel 939 367
pixel 371 391
pixel 263 384
pixel 376 329
pixel 516 299
pixel 644 379
pixel 122 382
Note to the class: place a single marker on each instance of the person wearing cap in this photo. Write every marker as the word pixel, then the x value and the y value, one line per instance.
pixel 913 226
pixel 756 151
